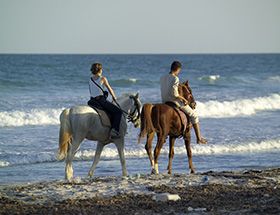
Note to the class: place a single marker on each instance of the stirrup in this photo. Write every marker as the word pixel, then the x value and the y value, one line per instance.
pixel 114 134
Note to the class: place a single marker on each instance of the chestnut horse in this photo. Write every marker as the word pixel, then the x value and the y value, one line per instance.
pixel 165 121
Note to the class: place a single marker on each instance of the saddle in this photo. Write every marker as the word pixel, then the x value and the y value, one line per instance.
pixel 105 117
pixel 185 121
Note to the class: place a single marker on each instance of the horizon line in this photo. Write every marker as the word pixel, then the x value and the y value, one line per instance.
pixel 138 53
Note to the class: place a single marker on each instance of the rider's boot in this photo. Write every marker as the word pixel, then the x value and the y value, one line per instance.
pixel 199 138
pixel 114 134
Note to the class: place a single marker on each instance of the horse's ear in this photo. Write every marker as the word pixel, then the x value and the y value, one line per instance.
pixel 137 95
pixel 187 83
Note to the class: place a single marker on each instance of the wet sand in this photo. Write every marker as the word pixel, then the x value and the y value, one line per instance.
pixel 240 192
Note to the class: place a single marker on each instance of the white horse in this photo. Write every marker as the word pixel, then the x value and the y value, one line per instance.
pixel 83 122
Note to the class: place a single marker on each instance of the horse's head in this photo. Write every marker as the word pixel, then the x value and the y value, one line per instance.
pixel 135 111
pixel 186 91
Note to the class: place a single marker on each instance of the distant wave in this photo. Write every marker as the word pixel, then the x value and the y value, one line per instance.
pixel 124 82
pixel 274 78
pixel 210 109
pixel 209 78
pixel 110 153
pixel 131 81
pixel 4 163
pixel 242 107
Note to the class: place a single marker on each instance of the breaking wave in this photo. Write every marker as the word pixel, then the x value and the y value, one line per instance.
pixel 112 153
pixel 241 107
pixel 32 117
pixel 197 149
pixel 210 109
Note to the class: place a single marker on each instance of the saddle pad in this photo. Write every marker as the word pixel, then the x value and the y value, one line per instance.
pixel 184 118
pixel 105 121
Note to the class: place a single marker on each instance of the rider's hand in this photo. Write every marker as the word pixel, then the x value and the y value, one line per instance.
pixel 114 100
pixel 185 102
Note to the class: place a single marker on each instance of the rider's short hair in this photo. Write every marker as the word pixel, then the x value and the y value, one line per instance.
pixel 96 68
pixel 175 65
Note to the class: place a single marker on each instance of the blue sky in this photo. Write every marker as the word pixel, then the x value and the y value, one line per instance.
pixel 146 26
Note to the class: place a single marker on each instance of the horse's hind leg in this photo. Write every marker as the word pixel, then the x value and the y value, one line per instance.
pixel 160 142
pixel 73 147
pixel 98 151
pixel 148 147
pixel 189 151
pixel 171 154
pixel 120 147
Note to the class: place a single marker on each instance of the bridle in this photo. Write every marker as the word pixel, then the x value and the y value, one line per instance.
pixel 134 116
pixel 190 95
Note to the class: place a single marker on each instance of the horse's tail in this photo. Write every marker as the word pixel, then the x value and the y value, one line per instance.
pixel 65 134
pixel 146 121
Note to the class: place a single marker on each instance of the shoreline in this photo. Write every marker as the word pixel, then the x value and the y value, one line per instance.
pixel 226 192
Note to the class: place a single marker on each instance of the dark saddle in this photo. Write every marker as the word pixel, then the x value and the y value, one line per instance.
pixel 104 116
pixel 185 121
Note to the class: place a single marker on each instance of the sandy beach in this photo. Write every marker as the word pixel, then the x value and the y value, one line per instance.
pixel 231 192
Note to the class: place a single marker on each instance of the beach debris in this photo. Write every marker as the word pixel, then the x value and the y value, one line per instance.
pixel 205 179
pixel 164 197
pixel 197 209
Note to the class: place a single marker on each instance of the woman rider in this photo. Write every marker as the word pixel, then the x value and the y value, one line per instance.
pixel 98 98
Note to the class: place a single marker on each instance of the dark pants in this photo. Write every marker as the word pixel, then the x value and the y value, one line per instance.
pixel 111 109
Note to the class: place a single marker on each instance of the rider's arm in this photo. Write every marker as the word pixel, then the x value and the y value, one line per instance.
pixel 183 99
pixel 176 92
pixel 107 85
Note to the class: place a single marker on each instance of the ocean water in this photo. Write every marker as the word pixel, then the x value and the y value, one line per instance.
pixel 238 100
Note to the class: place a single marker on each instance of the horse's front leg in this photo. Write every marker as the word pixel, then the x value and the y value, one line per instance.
pixel 148 147
pixel 120 146
pixel 189 151
pixel 98 151
pixel 171 154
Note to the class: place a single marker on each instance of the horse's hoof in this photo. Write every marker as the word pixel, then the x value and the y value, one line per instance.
pixel 192 172
pixel 125 178
pixel 69 180
pixel 154 172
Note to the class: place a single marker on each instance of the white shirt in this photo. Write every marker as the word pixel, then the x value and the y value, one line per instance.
pixel 169 88
pixel 95 90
